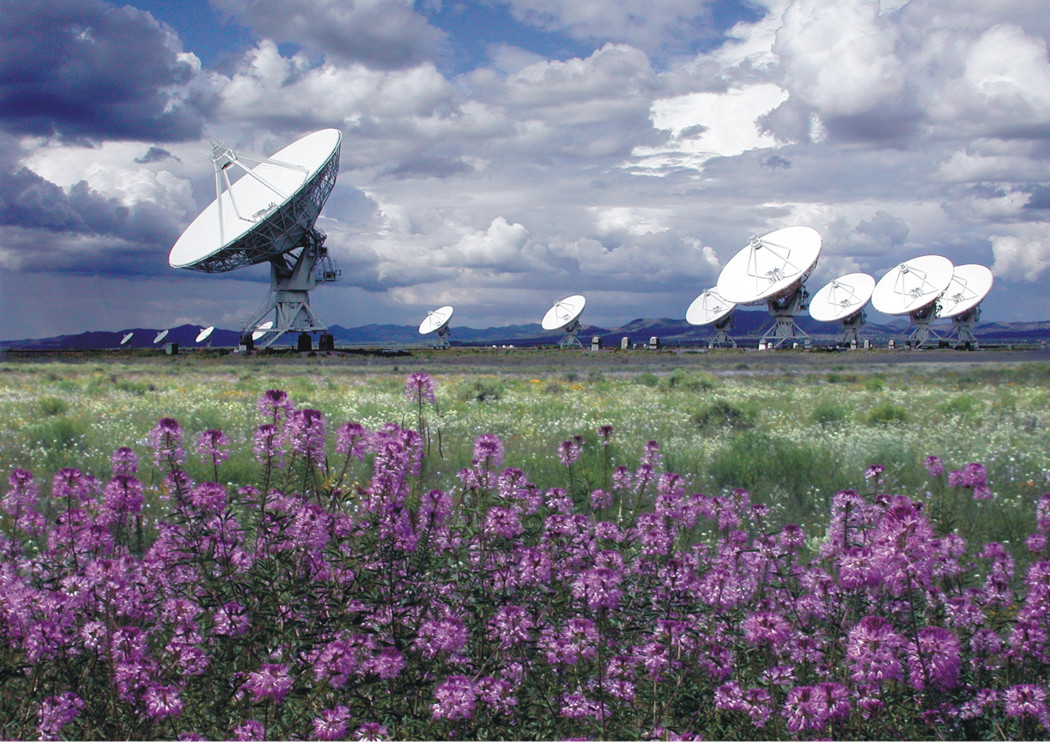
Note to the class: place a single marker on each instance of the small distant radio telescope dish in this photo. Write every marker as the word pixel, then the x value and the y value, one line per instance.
pixel 711 308
pixel 843 300
pixel 204 334
pixel 260 332
pixel 160 336
pixel 912 288
pixel 438 321
pixel 961 301
pixel 772 269
pixel 268 215
pixel 565 315
pixel 127 338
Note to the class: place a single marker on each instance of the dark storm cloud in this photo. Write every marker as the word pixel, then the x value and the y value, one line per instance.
pixel 886 228
pixel 33 203
pixel 87 69
pixel 430 167
pixel 155 154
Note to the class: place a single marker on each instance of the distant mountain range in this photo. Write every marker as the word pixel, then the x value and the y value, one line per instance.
pixel 750 325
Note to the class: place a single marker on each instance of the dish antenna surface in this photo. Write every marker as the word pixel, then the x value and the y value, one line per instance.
pixel 711 308
pixel 204 334
pixel 565 315
pixel 127 338
pixel 843 300
pixel 961 301
pixel 772 269
pixel 912 288
pixel 260 332
pixel 437 321
pixel 268 215
pixel 160 336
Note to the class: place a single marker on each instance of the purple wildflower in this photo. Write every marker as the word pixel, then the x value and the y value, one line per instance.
pixel 454 698
pixel 935 659
pixel 874 472
pixel 166 439
pixel 600 500
pixel 569 452
pixel 57 711
pixel 162 701
pixel 274 405
pixel 21 500
pixel 510 626
pixel 488 451
pixel 597 588
pixel 419 389
pixel 1025 700
pixel 873 651
pixel 442 635
pixel 267 446
pixel 352 439
pixel 208 497
pixel 934 466
pixel 124 461
pixel 331 724
pixel 306 433
pixel 604 434
pixel 249 730
pixel 271 682
pixel 372 731
pixel 578 706
pixel 766 628
pixel 812 707
pixel 503 522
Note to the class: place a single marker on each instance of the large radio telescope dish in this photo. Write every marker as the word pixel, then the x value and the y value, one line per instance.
pixel 770 266
pixel 842 298
pixel 708 308
pixel 772 269
pixel 266 212
pixel 913 285
pixel 961 301
pixel 268 215
pixel 969 286
pixel 204 334
pixel 912 288
pixel 565 315
pixel 160 336
pixel 711 308
pixel 437 321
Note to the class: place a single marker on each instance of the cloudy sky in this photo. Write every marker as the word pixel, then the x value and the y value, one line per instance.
pixel 499 155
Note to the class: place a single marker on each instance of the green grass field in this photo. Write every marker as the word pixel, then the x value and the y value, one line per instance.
pixel 793 433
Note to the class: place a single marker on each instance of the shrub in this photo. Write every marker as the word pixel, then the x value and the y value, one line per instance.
pixel 721 413
pixel 886 413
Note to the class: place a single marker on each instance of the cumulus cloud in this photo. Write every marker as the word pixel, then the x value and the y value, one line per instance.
pixel 382 34
pixel 84 68
pixel 1024 254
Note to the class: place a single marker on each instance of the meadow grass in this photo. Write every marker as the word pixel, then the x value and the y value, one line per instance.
pixel 792 436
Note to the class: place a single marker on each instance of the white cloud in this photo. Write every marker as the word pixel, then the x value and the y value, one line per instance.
pixel 1024 254
pixel 841 57
pixel 706 125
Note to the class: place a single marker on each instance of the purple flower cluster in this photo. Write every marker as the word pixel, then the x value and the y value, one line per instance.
pixel 355 604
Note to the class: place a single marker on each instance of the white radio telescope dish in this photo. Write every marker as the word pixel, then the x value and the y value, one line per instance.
pixel 565 315
pixel 127 338
pixel 711 308
pixel 204 334
pixel 912 288
pixel 843 300
pixel 160 336
pixel 437 321
pixel 268 215
pixel 259 332
pixel 961 301
pixel 772 269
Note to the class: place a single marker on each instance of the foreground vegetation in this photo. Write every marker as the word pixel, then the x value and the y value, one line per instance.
pixel 781 555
